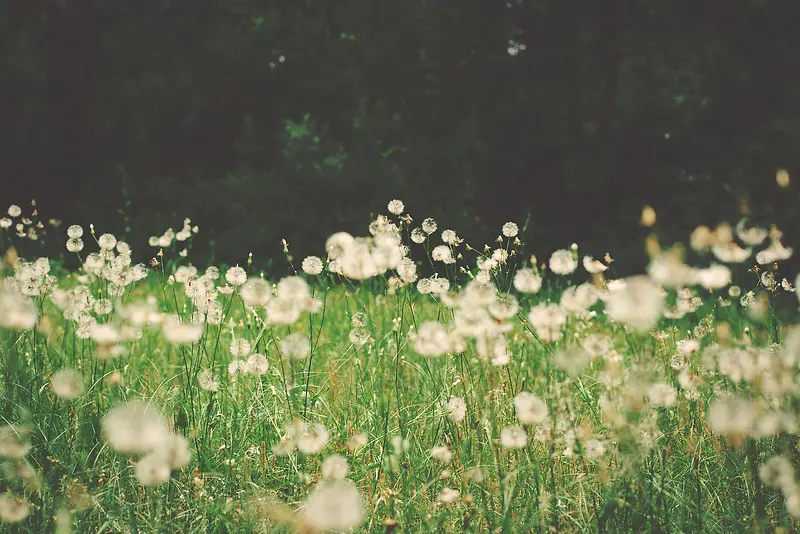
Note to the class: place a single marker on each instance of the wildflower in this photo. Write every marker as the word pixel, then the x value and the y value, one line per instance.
pixel 456 408
pixel 152 469
pixel 256 292
pixel 578 299
pixel 256 364
pixel 106 241
pixel 450 237
pixel 67 384
pixel 313 439
pixel 527 281
pixel 731 252
pixel 530 409
pixel 181 333
pixel 17 312
pixel 513 437
pixel 102 306
pixel 134 428
pixel 714 277
pixel 752 236
pixel 334 505
pixel 597 344
pixel 335 467
pixel 13 509
pixel 400 444
pixel 777 472
pixel 74 245
pixel 418 236
pixel 236 276
pixel 448 496
pixel 547 320
pixel 14 442
pixel 359 336
pixel 662 395
pixel 572 360
pixel 639 304
pixel 562 262
pixel 593 266
pixel 510 229
pixel 429 226
pixel 240 348
pixel 14 210
pixel 431 339
pixel 396 207
pixel 207 382
pixel 312 265
pixel 357 441
pixel 296 346
pixel 442 453
pixel 443 254
pixel 774 253
pixel 174 450
pixel 337 244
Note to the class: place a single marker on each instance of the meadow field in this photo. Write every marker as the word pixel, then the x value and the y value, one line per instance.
pixel 405 381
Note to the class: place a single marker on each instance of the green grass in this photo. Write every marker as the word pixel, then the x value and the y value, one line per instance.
pixel 662 469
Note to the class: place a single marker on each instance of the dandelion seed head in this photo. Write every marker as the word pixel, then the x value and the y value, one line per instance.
pixel 396 207
pixel 67 384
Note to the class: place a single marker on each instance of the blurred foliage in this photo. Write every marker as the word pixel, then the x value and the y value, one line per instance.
pixel 293 119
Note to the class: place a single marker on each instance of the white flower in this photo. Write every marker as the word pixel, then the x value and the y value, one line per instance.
pixel 773 253
pixel 714 277
pixel 74 245
pixel 14 442
pixel 14 210
pixel 236 276
pixel 256 292
pixel 572 360
pixel 153 469
pixel 443 254
pixel 107 241
pixel 661 394
pixel 777 472
pixel 181 333
pixel 312 265
pixel 295 346
pixel 562 262
pixel 256 364
pixel 593 266
pixel 448 496
pixel 134 428
pixel 13 509
pixel 429 226
pixel 510 229
pixel 431 339
pixel 313 439
pixel 442 453
pixel 456 408
pixel 207 382
pixel 240 348
pixel 638 303
pixel 548 321
pixel 335 467
pixel 531 410
pixel 67 384
pixel 731 252
pixel 396 207
pixel 450 237
pixel 527 281
pixel 334 505
pixel 513 437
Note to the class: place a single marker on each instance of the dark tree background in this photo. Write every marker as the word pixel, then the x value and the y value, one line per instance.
pixel 292 119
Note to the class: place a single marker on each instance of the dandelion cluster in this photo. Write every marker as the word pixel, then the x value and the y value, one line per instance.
pixel 401 379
